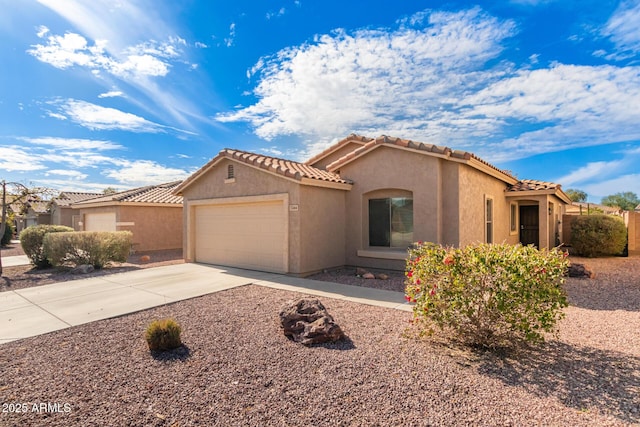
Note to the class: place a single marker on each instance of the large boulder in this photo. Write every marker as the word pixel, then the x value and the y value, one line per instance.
pixel 307 321
pixel 580 270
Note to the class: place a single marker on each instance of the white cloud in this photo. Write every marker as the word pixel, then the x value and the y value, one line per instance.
pixel 72 174
pixel 42 31
pixel 375 81
pixel 429 80
pixel 277 14
pixel 629 182
pixel 145 172
pixel 15 158
pixel 74 50
pixel 95 117
pixel 201 45
pixel 123 33
pixel 589 172
pixel 622 29
pixel 111 94
pixel 73 143
pixel 228 41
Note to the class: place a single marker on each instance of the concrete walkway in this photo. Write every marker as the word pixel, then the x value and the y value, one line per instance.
pixel 41 309
pixel 12 261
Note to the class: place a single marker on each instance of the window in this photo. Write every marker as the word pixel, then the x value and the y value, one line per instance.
pixel 489 220
pixel 513 223
pixel 391 222
pixel 230 172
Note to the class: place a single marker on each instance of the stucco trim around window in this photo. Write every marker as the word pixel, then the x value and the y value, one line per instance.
pixel 514 219
pixel 489 217
pixel 383 254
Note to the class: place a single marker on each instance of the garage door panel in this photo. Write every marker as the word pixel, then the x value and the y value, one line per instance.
pixel 249 235
pixel 103 221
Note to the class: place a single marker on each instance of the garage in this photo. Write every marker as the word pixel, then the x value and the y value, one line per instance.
pixel 246 235
pixel 104 221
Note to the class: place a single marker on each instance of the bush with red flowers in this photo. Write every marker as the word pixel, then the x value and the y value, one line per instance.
pixel 487 295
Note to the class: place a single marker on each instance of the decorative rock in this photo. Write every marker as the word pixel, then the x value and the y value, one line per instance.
pixel 307 321
pixel 361 271
pixel 145 258
pixel 83 269
pixel 382 276
pixel 581 271
pixel 368 276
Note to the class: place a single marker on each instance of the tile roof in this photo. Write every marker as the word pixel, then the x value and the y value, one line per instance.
pixel 283 167
pixel 533 185
pixel 39 207
pixel 66 198
pixel 161 193
pixel 407 143
pixel 351 138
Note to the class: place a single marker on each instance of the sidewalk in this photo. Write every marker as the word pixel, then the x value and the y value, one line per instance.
pixel 12 261
pixel 42 309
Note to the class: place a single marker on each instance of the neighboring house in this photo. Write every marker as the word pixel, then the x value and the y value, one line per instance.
pixel 61 211
pixel 153 214
pixel 582 208
pixel 37 213
pixel 361 202
pixel 637 209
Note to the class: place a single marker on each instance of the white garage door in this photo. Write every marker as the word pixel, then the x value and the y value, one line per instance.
pixel 246 235
pixel 105 221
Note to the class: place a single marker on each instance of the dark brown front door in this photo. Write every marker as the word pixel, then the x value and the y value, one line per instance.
pixel 529 230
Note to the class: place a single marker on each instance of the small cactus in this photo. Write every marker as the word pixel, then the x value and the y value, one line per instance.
pixel 163 335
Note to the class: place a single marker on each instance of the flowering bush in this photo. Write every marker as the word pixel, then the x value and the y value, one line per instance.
pixel 488 295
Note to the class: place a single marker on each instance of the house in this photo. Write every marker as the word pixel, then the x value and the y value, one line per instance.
pixel 152 213
pixel 582 208
pixel 61 211
pixel 37 213
pixel 361 202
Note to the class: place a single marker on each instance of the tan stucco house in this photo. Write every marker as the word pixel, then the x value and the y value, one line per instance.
pixel 361 202
pixel 152 213
pixel 61 211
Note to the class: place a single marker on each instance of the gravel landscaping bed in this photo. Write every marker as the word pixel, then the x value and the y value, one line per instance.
pixel 237 368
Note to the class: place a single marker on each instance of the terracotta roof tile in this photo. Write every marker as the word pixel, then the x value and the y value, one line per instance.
pixel 351 138
pixel 407 143
pixel 533 185
pixel 161 193
pixel 68 197
pixel 283 167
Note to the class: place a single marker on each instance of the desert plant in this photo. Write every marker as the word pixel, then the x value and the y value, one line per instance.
pixel 97 248
pixel 487 295
pixel 162 335
pixel 32 239
pixel 598 235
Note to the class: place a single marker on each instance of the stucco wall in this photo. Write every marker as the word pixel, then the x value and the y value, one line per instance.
pixel 248 182
pixel 475 188
pixel 322 228
pixel 62 215
pixel 380 174
pixel 154 227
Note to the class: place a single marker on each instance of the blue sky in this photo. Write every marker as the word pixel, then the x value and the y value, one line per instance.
pixel 119 93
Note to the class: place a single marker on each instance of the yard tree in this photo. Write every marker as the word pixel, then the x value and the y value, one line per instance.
pixel 626 201
pixel 576 195
pixel 21 196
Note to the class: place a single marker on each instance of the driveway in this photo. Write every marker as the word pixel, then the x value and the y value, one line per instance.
pixel 38 310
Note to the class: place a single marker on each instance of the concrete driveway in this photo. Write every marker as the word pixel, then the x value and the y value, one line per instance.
pixel 38 310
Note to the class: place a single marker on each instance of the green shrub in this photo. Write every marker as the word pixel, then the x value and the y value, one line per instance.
pixel 487 295
pixel 8 234
pixel 163 335
pixel 598 235
pixel 32 238
pixel 97 248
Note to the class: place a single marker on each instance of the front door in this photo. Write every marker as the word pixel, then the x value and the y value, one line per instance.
pixel 529 229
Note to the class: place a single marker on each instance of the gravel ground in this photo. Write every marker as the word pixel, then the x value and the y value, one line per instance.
pixel 237 368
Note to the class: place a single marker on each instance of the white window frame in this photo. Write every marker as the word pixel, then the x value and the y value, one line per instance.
pixel 514 218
